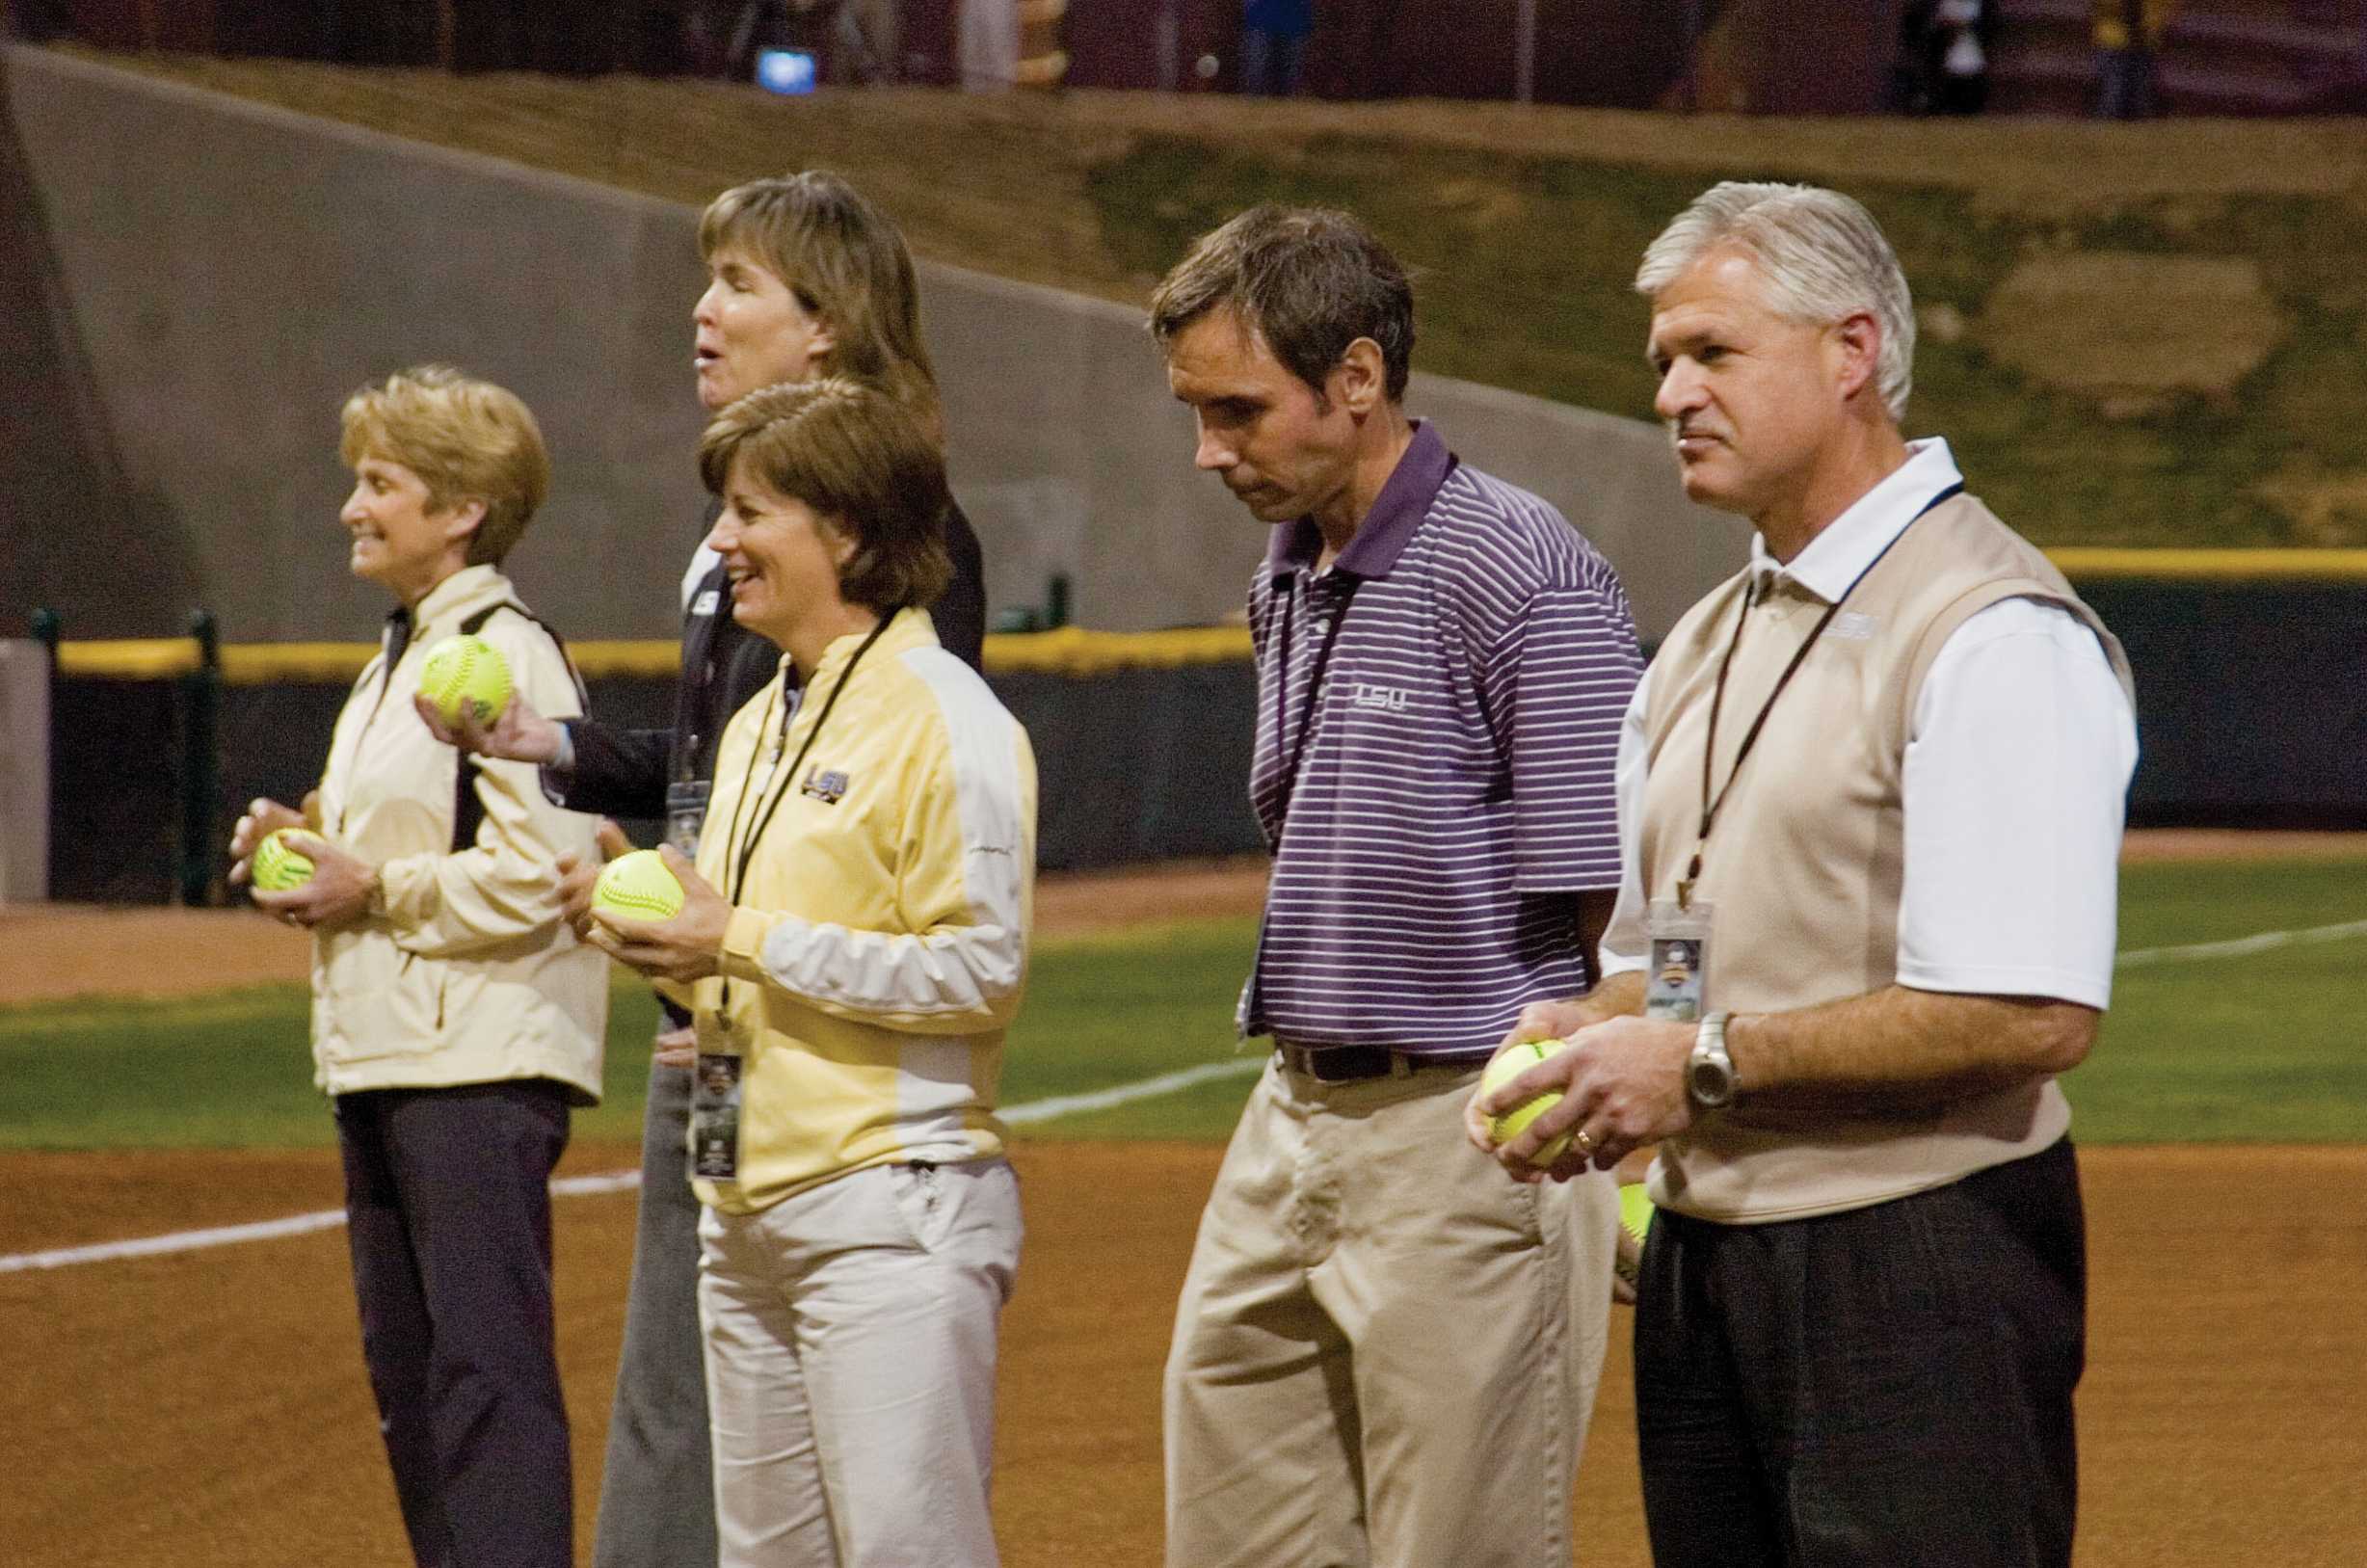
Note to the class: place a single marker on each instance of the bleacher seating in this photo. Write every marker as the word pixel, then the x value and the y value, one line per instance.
pixel 2221 57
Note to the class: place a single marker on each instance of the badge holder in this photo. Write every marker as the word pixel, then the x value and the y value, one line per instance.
pixel 686 815
pixel 1678 987
pixel 715 1107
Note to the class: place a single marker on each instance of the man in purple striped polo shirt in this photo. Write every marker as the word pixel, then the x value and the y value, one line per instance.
pixel 1378 1357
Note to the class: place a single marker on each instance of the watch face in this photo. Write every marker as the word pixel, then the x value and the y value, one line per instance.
pixel 1710 1081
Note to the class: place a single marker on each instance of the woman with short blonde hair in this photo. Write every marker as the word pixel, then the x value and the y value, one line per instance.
pixel 457 1020
pixel 463 437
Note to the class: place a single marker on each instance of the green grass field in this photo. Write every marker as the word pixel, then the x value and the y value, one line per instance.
pixel 2257 1048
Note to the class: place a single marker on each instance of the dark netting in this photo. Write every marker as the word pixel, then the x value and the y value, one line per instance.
pixel 1134 766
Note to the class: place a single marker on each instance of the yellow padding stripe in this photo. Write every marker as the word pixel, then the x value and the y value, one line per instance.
pixel 265 664
pixel 129 661
pixel 2213 565
pixel 1070 650
pixel 598 659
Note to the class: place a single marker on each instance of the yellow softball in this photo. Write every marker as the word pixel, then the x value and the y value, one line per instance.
pixel 279 867
pixel 1635 1210
pixel 1634 1224
pixel 1510 1063
pixel 639 887
pixel 465 670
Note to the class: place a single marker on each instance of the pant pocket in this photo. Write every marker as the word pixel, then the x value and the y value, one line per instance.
pixel 922 1198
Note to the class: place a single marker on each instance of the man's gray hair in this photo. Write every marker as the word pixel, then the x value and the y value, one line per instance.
pixel 1820 254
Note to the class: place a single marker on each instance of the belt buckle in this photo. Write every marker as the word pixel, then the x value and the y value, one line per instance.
pixel 1311 1061
pixel 1352 1058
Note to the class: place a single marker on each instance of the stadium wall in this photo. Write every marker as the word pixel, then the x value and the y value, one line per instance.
pixel 229 272
pixel 197 284
pixel 2249 714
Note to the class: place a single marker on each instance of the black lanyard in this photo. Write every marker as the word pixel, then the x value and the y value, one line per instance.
pixel 1293 756
pixel 739 880
pixel 1712 805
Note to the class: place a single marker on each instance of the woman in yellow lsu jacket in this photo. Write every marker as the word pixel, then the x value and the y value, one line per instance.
pixel 455 1018
pixel 852 945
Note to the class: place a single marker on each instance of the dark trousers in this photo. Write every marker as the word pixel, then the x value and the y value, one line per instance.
pixel 1890 1387
pixel 657 1487
pixel 2126 85
pixel 1269 62
pixel 447 1199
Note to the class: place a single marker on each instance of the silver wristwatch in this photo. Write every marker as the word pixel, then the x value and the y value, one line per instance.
pixel 1708 1071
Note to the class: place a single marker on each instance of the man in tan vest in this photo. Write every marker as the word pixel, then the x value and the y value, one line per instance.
pixel 1871 798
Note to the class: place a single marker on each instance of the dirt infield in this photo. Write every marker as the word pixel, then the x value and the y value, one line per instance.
pixel 58 951
pixel 209 1410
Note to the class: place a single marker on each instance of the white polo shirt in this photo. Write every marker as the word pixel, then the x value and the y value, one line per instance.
pixel 2015 786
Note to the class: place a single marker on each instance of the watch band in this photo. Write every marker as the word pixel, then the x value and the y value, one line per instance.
pixel 1709 1071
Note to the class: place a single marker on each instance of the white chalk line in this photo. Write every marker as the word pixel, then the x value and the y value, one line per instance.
pixel 269 1229
pixel 574 1186
pixel 2242 947
pixel 1166 1084
pixel 1033 1111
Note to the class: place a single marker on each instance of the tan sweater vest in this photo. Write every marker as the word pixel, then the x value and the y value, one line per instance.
pixel 1804 868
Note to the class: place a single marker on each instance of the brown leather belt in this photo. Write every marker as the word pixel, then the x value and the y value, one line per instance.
pixel 1346 1064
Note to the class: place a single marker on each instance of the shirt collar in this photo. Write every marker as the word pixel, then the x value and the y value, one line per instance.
pixel 1848 545
pixel 907 628
pixel 1386 530
pixel 459 593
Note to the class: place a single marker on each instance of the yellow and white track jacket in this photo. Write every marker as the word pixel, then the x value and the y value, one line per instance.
pixel 469 975
pixel 878 941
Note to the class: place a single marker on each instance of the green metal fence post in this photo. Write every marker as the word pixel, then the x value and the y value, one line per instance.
pixel 47 626
pixel 200 761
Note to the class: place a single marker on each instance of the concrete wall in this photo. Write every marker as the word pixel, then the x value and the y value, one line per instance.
pixel 62 496
pixel 230 271
pixel 24 772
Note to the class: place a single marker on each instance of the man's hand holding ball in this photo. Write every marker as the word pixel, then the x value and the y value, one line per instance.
pixel 1614 1082
pixel 517 733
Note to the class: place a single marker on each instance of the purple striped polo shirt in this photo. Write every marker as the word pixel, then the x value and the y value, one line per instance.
pixel 1435 806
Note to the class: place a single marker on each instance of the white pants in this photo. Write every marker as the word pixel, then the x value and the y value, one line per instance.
pixel 850 1367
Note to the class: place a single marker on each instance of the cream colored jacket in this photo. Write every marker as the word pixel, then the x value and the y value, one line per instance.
pixel 469 975
pixel 878 941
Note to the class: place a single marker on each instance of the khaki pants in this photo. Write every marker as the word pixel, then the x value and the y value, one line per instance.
pixel 1386 1350
pixel 850 1367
